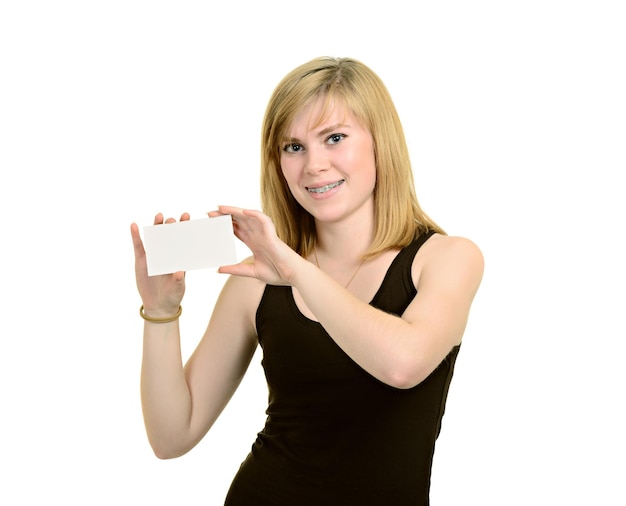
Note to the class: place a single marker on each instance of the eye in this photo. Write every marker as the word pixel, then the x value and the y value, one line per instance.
pixel 292 147
pixel 335 138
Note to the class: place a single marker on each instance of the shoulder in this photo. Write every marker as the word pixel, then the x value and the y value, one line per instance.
pixel 448 257
pixel 451 246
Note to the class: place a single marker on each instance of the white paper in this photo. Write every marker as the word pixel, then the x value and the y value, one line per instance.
pixel 188 245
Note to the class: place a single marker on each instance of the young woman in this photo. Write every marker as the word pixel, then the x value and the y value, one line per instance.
pixel 357 298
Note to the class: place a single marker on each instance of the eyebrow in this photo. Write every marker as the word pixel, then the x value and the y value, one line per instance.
pixel 321 133
pixel 331 128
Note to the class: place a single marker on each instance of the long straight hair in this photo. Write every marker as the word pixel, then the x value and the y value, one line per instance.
pixel 398 218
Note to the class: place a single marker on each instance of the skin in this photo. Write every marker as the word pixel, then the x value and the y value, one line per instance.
pixel 180 403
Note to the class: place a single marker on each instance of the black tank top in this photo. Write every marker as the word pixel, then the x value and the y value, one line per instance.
pixel 334 434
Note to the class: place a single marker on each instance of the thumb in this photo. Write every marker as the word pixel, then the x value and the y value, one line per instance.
pixel 137 242
pixel 243 269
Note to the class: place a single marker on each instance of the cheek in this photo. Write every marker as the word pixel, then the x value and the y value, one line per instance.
pixel 285 168
pixel 290 174
pixel 369 168
pixel 364 162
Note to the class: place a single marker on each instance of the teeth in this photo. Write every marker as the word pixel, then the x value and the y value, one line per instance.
pixel 323 189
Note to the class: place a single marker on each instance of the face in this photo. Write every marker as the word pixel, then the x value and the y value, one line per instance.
pixel 330 167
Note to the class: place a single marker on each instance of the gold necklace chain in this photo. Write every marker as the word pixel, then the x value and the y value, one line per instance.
pixel 353 275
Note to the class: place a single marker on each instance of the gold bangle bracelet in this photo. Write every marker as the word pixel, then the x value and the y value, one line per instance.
pixel 161 320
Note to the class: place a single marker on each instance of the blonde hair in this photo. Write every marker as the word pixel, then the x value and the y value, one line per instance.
pixel 398 218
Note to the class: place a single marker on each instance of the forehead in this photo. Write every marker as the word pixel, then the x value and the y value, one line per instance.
pixel 319 111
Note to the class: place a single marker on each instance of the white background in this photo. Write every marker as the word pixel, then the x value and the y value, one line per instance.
pixel 111 111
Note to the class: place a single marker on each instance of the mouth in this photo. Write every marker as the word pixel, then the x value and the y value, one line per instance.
pixel 325 188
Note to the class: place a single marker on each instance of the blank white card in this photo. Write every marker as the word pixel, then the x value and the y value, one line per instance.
pixel 188 245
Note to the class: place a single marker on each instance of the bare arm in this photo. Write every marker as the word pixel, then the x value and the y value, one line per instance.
pixel 179 403
pixel 400 351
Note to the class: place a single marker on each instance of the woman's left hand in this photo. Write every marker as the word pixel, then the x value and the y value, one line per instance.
pixel 272 262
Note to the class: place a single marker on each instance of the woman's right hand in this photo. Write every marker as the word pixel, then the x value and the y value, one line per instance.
pixel 161 295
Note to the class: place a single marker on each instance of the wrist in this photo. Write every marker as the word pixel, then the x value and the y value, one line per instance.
pixel 302 273
pixel 160 316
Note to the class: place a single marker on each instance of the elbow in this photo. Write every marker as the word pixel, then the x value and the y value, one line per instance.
pixel 170 443
pixel 165 450
pixel 404 376
pixel 164 454
pixel 403 381
pixel 407 371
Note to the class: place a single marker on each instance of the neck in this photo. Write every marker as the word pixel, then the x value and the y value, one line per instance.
pixel 345 240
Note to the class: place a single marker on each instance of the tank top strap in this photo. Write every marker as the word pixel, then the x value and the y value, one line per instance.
pixel 399 278
pixel 408 254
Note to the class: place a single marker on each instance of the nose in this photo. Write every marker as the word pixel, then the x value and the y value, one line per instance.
pixel 317 161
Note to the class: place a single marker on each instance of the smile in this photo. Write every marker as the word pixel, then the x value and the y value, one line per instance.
pixel 324 189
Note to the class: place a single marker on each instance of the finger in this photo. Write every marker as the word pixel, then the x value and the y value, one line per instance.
pixel 241 213
pixel 185 217
pixel 158 219
pixel 244 216
pixel 139 251
pixel 215 214
pixel 137 242
pixel 241 269
pixel 233 211
pixel 170 220
pixel 178 276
